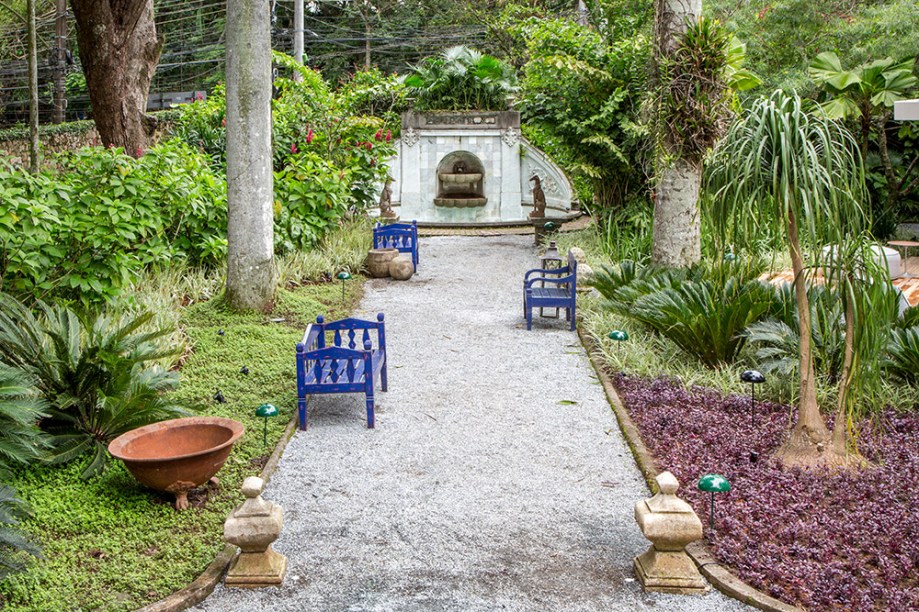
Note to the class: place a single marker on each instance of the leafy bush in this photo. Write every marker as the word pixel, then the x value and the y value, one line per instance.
pixel 370 92
pixel 93 371
pixel 903 355
pixel 312 195
pixel 461 79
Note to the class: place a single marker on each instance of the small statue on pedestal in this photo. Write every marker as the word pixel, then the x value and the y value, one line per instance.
pixel 386 211
pixel 539 200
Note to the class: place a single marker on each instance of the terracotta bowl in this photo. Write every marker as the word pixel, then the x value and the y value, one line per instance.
pixel 177 455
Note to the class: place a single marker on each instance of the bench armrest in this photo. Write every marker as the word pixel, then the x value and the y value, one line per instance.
pixel 565 280
pixel 556 271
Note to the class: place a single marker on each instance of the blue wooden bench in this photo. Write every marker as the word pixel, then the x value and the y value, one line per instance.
pixel 561 291
pixel 400 236
pixel 340 367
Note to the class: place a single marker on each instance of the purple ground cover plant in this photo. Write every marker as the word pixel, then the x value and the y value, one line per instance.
pixel 842 541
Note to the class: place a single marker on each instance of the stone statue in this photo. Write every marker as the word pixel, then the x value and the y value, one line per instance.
pixel 539 200
pixel 459 167
pixel 386 210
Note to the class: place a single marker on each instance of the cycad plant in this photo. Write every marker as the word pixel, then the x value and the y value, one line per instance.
pixel 15 547
pixel 96 372
pixel 802 172
pixel 462 78
pixel 21 441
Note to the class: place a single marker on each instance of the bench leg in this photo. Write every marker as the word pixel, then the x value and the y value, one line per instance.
pixel 572 315
pixel 370 416
pixel 383 383
pixel 301 412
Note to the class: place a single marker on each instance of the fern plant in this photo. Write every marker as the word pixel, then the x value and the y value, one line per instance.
pixel 95 371
pixel 21 441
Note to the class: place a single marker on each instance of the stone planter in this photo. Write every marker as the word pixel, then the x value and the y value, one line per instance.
pixel 378 261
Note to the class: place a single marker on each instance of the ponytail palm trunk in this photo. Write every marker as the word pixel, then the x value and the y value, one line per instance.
pixel 780 165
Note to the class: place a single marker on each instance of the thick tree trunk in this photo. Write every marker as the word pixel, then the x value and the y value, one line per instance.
pixel 677 231
pixel 807 442
pixel 250 227
pixel 34 159
pixel 119 50
pixel 677 234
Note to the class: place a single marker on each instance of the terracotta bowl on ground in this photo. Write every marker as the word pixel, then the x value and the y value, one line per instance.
pixel 177 455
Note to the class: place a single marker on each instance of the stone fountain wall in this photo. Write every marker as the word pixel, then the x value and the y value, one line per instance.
pixel 494 139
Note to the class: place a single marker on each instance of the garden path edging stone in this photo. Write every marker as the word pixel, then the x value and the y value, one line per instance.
pixel 721 578
pixel 204 584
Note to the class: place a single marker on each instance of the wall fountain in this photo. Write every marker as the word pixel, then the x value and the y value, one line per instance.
pixel 472 167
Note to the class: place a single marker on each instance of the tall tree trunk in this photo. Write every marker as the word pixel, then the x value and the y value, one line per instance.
pixel 807 442
pixel 119 50
pixel 60 62
pixel 34 153
pixel 367 33
pixel 250 223
pixel 677 241
pixel 840 425
pixel 677 231
pixel 298 37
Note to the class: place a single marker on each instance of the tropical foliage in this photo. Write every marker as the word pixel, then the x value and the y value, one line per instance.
pixel 461 79
pixel 15 547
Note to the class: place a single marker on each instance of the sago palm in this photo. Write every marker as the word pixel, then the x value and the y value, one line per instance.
pixel 801 171
pixel 97 373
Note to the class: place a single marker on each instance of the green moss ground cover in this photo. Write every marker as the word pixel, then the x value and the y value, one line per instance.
pixel 111 544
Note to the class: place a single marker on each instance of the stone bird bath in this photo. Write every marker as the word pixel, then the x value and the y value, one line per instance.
pixel 179 454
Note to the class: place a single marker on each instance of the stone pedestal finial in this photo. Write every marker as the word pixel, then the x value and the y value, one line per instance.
pixel 670 523
pixel 253 526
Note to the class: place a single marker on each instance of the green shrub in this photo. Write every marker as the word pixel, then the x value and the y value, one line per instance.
pixel 93 370
pixel 312 196
pixel 370 92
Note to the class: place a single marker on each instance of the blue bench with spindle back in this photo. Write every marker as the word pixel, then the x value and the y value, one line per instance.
pixel 400 236
pixel 561 292
pixel 341 367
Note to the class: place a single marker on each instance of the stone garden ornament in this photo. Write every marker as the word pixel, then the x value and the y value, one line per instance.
pixel 253 526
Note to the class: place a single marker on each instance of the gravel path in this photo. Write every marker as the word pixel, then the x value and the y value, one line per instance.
pixel 483 487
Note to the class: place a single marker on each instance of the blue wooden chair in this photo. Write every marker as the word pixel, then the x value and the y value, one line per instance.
pixel 561 291
pixel 400 236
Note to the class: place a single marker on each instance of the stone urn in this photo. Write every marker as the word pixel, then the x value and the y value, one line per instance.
pixel 670 523
pixel 401 267
pixel 253 526
pixel 378 261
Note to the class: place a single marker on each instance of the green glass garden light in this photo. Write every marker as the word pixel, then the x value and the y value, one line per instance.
pixel 713 483
pixel 619 335
pixel 730 257
pixel 343 276
pixel 265 411
pixel 754 377
pixel 550 226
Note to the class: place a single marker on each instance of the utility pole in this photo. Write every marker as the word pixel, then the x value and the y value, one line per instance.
pixel 33 90
pixel 582 14
pixel 298 36
pixel 60 62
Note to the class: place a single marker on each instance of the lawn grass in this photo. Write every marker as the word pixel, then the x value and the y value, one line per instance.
pixel 110 543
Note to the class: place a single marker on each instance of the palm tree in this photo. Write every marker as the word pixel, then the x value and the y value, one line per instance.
pixel 784 166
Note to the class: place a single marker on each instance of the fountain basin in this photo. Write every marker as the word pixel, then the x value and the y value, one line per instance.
pixel 464 178
pixel 177 455
pixel 460 200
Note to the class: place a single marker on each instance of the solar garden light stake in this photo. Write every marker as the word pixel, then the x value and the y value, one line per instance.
pixel 713 483
pixel 619 335
pixel 265 411
pixel 343 276
pixel 753 377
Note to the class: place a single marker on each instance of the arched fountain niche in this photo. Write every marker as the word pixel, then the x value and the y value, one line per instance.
pixel 460 177
pixel 472 168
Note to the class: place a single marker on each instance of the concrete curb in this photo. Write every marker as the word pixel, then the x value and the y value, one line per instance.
pixel 204 585
pixel 721 578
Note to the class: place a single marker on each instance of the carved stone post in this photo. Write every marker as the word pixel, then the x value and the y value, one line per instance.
pixel 670 523
pixel 253 526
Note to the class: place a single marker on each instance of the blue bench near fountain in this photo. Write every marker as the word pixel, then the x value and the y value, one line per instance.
pixel 400 236
pixel 561 292
pixel 341 367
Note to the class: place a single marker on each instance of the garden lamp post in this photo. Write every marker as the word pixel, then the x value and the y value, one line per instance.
pixel 754 377
pixel 619 335
pixel 264 411
pixel 713 483
pixel 343 276
pixel 730 257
